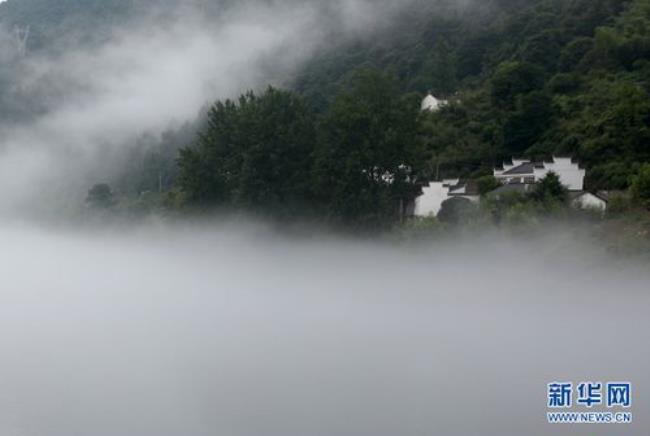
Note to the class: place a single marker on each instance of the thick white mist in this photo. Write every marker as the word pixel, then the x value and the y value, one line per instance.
pixel 142 79
pixel 235 331
pixel 97 101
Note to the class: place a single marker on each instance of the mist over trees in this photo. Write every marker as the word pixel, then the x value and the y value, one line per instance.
pixel 369 158
pixel 531 79
pixel 356 164
pixel 255 154
pixel 343 137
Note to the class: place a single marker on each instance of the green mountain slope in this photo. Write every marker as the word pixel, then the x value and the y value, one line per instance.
pixel 524 77
pixel 530 78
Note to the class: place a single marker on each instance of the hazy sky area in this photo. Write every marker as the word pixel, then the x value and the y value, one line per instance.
pixel 169 329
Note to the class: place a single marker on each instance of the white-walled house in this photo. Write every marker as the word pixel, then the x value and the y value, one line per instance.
pixel 518 175
pixel 436 193
pixel 526 171
pixel 571 175
pixel 467 190
pixel 521 175
pixel 588 201
pixel 430 202
pixel 432 104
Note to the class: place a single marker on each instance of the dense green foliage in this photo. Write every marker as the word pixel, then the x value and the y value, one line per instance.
pixel 357 164
pixel 254 154
pixel 528 78
pixel 641 186
pixel 368 159
pixel 533 78
pixel 550 189
pixel 457 210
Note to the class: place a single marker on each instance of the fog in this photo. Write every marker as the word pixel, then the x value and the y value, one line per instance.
pixel 91 101
pixel 217 328
pixel 235 330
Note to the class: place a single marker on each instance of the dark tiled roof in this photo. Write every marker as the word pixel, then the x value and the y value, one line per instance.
pixel 527 168
pixel 468 188
pixel 573 195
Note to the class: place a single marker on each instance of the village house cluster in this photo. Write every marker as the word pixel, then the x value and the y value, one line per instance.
pixel 516 175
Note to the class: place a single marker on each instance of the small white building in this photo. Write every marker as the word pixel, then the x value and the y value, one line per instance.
pixel 432 104
pixel 588 201
pixel 436 193
pixel 521 175
pixel 430 202
pixel 518 175
pixel 526 171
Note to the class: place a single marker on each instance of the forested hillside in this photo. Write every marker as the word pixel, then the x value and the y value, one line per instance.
pixel 527 78
pixel 524 78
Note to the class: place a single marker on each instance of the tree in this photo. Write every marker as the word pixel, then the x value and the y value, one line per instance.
pixel 255 154
pixel 442 66
pixel 611 176
pixel 530 120
pixel 512 79
pixel 573 53
pixel 641 186
pixel 542 49
pixel 457 210
pixel 368 157
pixel 550 190
pixel 616 121
pixel 487 184
pixel 100 196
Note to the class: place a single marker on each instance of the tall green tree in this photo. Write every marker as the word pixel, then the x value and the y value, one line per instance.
pixel 369 158
pixel 550 191
pixel 512 79
pixel 443 66
pixel 255 154
pixel 641 186
pixel 528 122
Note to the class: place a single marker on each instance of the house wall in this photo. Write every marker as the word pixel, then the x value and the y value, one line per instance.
pixel 432 104
pixel 590 201
pixel 571 175
pixel 451 182
pixel 430 202
pixel 518 178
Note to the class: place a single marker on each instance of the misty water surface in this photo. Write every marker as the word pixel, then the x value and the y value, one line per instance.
pixel 236 331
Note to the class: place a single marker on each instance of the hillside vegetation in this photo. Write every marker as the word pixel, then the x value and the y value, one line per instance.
pixel 525 78
pixel 347 141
